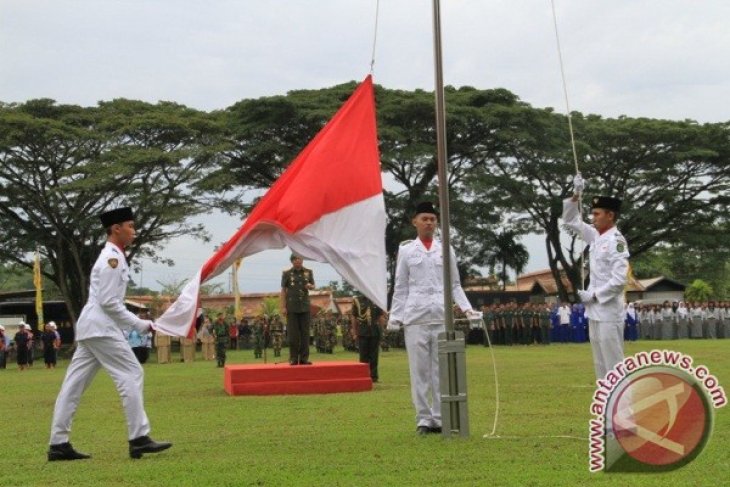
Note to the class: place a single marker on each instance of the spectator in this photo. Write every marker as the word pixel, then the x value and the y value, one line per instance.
pixel 50 341
pixel 682 321
pixel 233 336
pixel 696 319
pixel 23 341
pixel 207 341
pixel 3 347
pixel 564 315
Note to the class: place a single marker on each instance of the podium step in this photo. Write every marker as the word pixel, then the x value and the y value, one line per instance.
pixel 276 379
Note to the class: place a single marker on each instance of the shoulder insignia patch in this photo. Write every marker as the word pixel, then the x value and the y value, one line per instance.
pixel 113 263
pixel 620 246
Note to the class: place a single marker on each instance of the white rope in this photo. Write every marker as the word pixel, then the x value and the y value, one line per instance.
pixel 375 36
pixel 570 129
pixel 493 435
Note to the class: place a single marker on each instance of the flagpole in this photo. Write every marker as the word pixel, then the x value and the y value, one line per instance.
pixel 452 367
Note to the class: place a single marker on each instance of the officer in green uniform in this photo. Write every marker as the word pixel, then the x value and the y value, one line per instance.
pixel 219 330
pixel 277 335
pixel 366 328
pixel 295 285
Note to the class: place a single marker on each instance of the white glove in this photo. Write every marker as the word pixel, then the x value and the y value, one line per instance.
pixel 393 325
pixel 586 296
pixel 474 315
pixel 578 184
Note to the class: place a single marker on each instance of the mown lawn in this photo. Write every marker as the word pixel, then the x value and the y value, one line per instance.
pixel 361 439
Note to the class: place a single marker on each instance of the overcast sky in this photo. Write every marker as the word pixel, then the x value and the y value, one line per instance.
pixel 659 59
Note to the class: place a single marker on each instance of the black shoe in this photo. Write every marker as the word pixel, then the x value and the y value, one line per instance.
pixel 145 444
pixel 305 362
pixel 435 429
pixel 293 362
pixel 64 451
pixel 422 430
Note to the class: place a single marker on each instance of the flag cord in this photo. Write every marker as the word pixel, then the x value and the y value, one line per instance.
pixel 570 129
pixel 375 36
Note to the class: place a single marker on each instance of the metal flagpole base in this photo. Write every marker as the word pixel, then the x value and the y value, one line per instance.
pixel 452 377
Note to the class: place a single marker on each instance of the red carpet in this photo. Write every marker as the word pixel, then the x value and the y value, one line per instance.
pixel 318 378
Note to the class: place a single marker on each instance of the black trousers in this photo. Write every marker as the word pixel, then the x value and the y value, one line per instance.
pixel 297 325
pixel 142 353
pixel 369 348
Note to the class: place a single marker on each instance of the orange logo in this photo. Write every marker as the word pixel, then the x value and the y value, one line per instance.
pixel 661 418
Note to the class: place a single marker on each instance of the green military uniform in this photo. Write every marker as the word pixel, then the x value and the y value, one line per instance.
pixel 507 317
pixel 545 326
pixel 318 330
pixel 368 331
pixel 329 334
pixel 535 323
pixel 294 283
pixel 220 331
pixel 258 339
pixel 347 341
pixel 277 335
pixel 490 332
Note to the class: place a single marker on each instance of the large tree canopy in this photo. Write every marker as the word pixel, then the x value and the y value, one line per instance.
pixel 62 165
pixel 510 165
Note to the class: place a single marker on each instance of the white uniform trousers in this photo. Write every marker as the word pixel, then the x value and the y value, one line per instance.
pixel 607 342
pixel 119 361
pixel 423 362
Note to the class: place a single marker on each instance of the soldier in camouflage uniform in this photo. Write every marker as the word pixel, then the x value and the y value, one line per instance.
pixel 318 329
pixel 348 342
pixel 296 283
pixel 507 318
pixel 219 330
pixel 258 338
pixel 277 335
pixel 329 332
pixel 544 312
pixel 490 329
pixel 366 327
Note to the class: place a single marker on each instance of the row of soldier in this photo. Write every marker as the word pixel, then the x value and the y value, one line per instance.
pixel 507 324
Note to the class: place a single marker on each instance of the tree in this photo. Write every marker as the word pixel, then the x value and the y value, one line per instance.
pixel 507 254
pixel 698 291
pixel 270 307
pixel 673 176
pixel 705 256
pixel 62 165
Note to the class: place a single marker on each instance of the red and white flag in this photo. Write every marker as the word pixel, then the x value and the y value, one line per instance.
pixel 327 206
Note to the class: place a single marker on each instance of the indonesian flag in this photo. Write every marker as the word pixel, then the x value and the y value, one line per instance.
pixel 327 206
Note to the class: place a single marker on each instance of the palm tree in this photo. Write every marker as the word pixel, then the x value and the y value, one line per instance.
pixel 508 253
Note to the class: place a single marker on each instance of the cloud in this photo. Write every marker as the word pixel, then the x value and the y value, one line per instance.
pixel 663 59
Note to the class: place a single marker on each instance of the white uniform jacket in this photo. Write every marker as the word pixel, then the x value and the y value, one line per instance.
pixel 609 261
pixel 104 314
pixel 418 296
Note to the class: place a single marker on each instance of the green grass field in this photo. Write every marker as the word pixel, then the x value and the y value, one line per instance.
pixel 360 439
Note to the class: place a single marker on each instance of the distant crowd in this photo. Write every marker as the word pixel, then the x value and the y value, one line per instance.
pixel 503 324
pixel 530 323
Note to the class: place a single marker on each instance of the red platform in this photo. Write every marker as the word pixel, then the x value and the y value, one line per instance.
pixel 318 378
